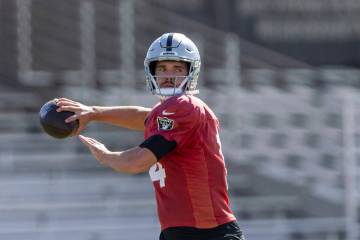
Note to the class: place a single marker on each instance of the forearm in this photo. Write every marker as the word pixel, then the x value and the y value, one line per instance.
pixel 131 117
pixel 134 160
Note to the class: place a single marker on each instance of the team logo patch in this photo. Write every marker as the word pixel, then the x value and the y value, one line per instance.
pixel 165 123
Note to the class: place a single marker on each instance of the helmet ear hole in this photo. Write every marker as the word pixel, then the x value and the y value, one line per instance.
pixel 152 66
pixel 188 64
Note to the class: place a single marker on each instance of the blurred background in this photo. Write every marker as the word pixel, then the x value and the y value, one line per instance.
pixel 283 77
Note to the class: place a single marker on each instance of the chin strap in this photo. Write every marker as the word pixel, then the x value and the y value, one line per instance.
pixel 168 91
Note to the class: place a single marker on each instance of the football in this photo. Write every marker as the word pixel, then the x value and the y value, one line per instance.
pixel 53 122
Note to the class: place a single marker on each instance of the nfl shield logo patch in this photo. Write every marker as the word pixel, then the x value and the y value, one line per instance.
pixel 165 123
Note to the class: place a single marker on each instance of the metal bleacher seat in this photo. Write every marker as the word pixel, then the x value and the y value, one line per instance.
pixel 81 203
pixel 286 135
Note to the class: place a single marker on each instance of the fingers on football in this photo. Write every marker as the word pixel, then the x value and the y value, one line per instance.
pixel 62 105
pixel 65 104
pixel 70 109
pixel 72 118
pixel 66 100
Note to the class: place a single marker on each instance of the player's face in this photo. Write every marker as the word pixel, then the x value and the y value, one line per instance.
pixel 169 73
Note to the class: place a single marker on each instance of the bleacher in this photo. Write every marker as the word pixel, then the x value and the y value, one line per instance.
pixel 282 130
pixel 76 206
pixel 270 152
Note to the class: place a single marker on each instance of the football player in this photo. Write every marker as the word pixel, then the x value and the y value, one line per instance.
pixel 181 150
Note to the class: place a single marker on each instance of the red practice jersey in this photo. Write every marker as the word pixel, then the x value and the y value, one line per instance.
pixel 190 181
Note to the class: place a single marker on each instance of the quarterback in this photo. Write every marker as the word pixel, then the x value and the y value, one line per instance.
pixel 181 148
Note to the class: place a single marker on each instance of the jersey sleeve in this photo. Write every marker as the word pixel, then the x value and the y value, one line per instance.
pixel 178 122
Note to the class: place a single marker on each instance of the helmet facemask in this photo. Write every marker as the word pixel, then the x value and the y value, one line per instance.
pixel 179 84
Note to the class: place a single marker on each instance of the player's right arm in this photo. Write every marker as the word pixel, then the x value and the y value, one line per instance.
pixel 131 117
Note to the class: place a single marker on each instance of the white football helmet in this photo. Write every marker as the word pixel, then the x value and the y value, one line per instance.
pixel 173 47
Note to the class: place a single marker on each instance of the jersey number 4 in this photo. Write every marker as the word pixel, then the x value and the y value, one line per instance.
pixel 157 173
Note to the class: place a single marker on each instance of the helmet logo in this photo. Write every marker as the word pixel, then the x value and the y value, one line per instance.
pixel 169 42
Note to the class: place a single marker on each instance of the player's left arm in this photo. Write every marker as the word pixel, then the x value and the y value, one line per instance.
pixel 134 160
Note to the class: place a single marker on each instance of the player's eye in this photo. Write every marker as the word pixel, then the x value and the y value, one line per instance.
pixel 160 69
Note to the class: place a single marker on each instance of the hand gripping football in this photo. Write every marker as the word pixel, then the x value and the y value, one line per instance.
pixel 53 122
